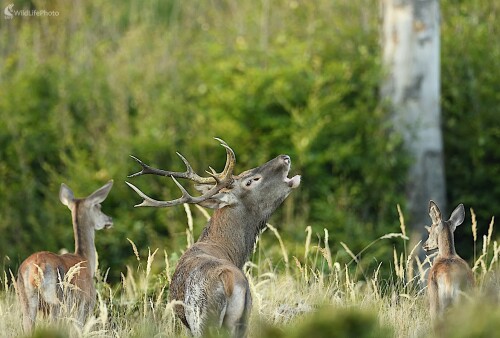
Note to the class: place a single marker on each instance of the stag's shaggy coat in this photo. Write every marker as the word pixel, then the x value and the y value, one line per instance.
pixel 208 279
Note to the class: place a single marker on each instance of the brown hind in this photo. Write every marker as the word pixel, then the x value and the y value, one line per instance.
pixel 450 275
pixel 41 277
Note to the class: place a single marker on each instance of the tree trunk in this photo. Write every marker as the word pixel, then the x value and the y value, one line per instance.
pixel 411 46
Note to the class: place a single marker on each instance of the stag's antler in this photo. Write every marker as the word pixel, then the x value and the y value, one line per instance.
pixel 221 180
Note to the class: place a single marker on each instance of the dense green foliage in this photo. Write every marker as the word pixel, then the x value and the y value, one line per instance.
pixel 470 100
pixel 105 79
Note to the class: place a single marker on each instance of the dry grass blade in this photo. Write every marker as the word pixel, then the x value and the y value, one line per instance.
pixel 134 248
pixel 395 235
pixel 396 264
pixel 203 212
pixel 409 259
pixel 189 231
pixel 474 230
pixel 299 266
pixel 282 245
pixel 308 242
pixel 346 248
pixel 167 267
pixel 148 272
pixel 103 310
pixel 151 258
pixel 496 254
pixel 401 221
pixel 159 298
pixel 490 229
pixel 479 262
pixel 474 224
pixel 13 279
pixel 327 250
pixel 39 277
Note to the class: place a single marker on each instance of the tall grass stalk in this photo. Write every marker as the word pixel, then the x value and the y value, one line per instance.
pixel 138 306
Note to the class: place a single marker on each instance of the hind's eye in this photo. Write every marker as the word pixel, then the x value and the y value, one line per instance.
pixel 248 183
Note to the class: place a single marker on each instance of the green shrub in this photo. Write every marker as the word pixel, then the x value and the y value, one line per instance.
pixel 330 321
pixel 470 81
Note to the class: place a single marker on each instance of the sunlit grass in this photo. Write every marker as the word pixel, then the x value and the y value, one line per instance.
pixel 292 295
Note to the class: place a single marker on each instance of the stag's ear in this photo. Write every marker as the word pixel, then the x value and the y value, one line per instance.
pixel 219 200
pixel 457 216
pixel 203 188
pixel 66 195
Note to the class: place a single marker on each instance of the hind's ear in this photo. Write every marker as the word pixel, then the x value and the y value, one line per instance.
pixel 457 216
pixel 100 194
pixel 66 195
pixel 434 212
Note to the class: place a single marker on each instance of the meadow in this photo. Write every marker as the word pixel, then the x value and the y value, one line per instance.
pixel 302 291
pixel 106 79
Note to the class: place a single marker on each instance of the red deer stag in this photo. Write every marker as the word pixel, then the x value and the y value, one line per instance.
pixel 209 280
pixel 42 277
pixel 450 275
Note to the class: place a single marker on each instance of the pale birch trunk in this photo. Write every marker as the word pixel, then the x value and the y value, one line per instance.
pixel 411 47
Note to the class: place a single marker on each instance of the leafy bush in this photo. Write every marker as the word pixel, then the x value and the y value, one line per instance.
pixel 106 82
pixel 109 79
pixel 470 97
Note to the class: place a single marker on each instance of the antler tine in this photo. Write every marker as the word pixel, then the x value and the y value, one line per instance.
pixel 145 168
pixel 220 181
pixel 151 202
pixel 185 198
pixel 188 174
pixel 148 201
pixel 214 174
pixel 230 160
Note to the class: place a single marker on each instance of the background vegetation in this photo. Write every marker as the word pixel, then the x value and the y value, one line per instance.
pixel 105 79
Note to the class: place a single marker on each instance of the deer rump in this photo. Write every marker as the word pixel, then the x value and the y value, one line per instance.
pixel 43 276
pixel 213 292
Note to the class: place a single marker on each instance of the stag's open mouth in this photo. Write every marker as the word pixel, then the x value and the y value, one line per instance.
pixel 293 182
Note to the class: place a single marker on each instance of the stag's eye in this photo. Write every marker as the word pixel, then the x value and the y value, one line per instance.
pixel 249 182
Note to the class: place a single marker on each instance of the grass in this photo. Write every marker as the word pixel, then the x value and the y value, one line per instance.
pixel 293 296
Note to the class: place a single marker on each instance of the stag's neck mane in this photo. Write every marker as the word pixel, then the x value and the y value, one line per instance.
pixel 232 236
